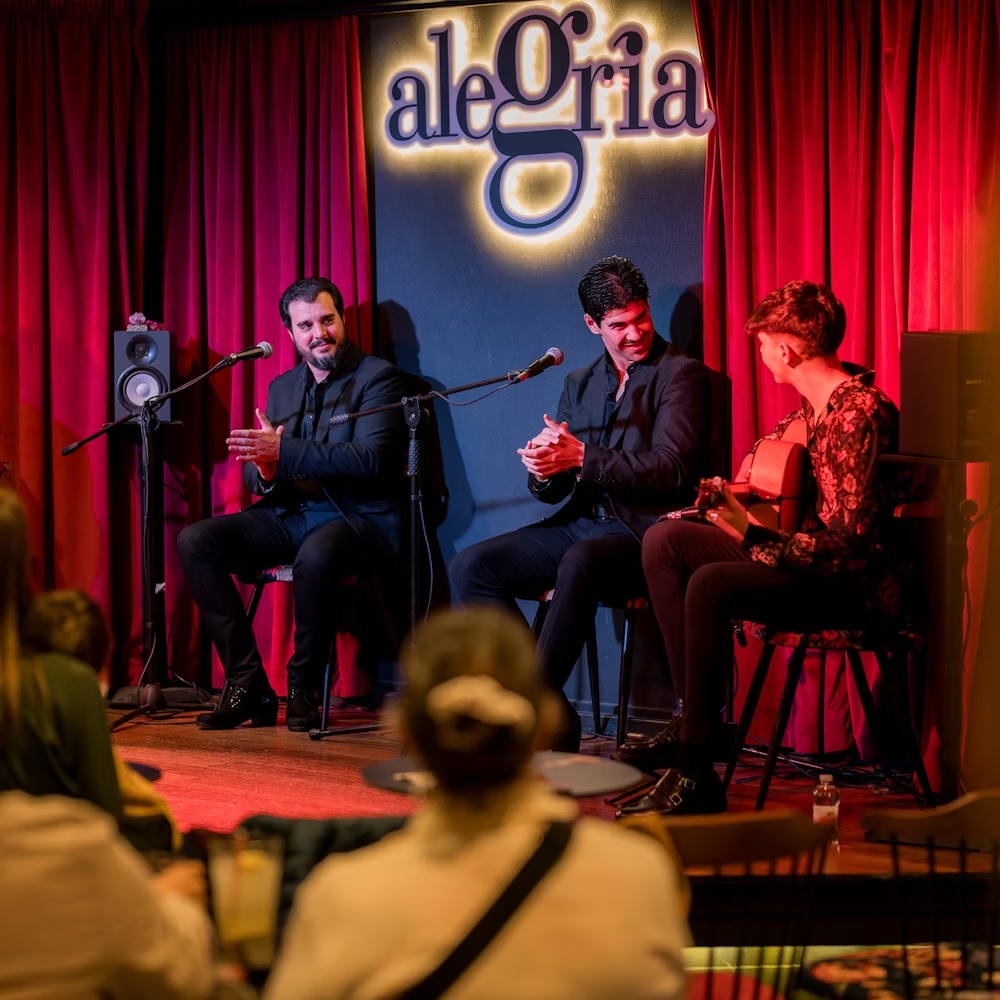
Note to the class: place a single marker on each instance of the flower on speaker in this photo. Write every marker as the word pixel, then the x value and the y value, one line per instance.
pixel 137 321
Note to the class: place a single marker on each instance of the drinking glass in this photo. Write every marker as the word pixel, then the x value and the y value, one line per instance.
pixel 244 876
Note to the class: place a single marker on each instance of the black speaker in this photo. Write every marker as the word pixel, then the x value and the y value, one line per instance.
pixel 949 385
pixel 141 369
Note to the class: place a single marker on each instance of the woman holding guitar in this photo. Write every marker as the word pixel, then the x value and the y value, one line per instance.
pixel 829 572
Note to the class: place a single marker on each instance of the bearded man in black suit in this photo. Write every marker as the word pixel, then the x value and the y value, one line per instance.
pixel 630 440
pixel 331 500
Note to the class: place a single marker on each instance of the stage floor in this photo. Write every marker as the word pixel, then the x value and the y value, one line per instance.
pixel 213 780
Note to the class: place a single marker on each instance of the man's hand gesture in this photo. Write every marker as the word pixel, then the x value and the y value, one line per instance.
pixel 553 450
pixel 262 447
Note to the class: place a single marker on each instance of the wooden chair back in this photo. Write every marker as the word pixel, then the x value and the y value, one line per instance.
pixel 753 880
pixel 741 839
pixel 947 890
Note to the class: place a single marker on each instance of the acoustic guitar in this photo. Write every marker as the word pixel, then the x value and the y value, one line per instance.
pixel 771 483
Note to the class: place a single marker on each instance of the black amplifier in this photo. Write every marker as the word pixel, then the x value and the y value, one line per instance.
pixel 949 387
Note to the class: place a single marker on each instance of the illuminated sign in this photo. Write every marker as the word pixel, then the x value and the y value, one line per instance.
pixel 543 106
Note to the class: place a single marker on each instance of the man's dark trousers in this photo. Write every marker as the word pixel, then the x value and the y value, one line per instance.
pixel 588 561
pixel 322 549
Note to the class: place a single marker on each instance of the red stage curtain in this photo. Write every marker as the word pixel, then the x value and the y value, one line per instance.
pixel 264 183
pixel 73 122
pixel 856 143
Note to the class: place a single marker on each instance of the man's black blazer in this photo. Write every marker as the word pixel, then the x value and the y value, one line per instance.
pixel 659 448
pixel 360 464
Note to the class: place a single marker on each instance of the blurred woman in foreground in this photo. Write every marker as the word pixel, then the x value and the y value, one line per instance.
pixel 606 921
pixel 82 916
pixel 53 724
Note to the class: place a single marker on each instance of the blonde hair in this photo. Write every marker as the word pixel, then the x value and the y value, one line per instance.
pixel 472 696
pixel 15 596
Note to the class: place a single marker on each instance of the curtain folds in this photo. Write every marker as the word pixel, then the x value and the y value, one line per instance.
pixel 265 182
pixel 856 143
pixel 73 123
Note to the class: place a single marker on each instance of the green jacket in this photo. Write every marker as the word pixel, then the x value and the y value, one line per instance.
pixel 62 746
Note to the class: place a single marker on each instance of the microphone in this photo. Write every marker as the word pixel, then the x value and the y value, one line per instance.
pixel 553 356
pixel 262 350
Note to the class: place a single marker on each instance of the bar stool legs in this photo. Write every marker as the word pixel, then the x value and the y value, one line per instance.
pixel 892 682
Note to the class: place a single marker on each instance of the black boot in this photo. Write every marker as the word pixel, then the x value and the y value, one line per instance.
pixel 658 750
pixel 302 713
pixel 691 786
pixel 237 704
pixel 661 749
pixel 680 794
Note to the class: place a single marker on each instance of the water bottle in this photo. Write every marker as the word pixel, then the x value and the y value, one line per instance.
pixel 826 805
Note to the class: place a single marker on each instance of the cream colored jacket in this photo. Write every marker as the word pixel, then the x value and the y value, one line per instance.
pixel 606 922
pixel 79 917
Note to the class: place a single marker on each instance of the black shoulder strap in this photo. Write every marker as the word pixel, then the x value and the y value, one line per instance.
pixel 545 857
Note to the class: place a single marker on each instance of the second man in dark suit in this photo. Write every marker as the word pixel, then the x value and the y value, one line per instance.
pixel 630 440
pixel 331 498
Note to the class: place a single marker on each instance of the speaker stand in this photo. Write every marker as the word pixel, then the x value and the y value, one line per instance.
pixel 152 696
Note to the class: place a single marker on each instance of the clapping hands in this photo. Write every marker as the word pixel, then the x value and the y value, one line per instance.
pixel 553 450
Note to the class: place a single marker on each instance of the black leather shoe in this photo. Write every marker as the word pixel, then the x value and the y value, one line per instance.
pixel 302 713
pixel 675 794
pixel 659 750
pixel 237 704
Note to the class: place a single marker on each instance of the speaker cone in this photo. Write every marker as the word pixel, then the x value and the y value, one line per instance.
pixel 141 349
pixel 136 385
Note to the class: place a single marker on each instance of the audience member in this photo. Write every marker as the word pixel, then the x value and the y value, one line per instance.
pixel 71 622
pixel 53 725
pixel 82 915
pixel 376 922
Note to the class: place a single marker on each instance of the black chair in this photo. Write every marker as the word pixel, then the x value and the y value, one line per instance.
pixel 890 650
pixel 628 607
pixel 283 574
pixel 890 642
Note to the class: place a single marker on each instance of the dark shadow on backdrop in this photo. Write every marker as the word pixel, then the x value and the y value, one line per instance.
pixel 686 337
pixel 652 687
pixel 685 332
pixel 687 323
pixel 448 506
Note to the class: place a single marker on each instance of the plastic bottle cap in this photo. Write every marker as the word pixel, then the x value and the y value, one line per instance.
pixel 826 777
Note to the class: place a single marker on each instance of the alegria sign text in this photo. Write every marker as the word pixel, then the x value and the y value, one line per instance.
pixel 678 104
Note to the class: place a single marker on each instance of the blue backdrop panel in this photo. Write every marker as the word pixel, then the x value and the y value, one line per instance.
pixel 461 298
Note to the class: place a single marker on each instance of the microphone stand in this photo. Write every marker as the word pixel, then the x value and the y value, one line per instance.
pixel 414 414
pixel 152 697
